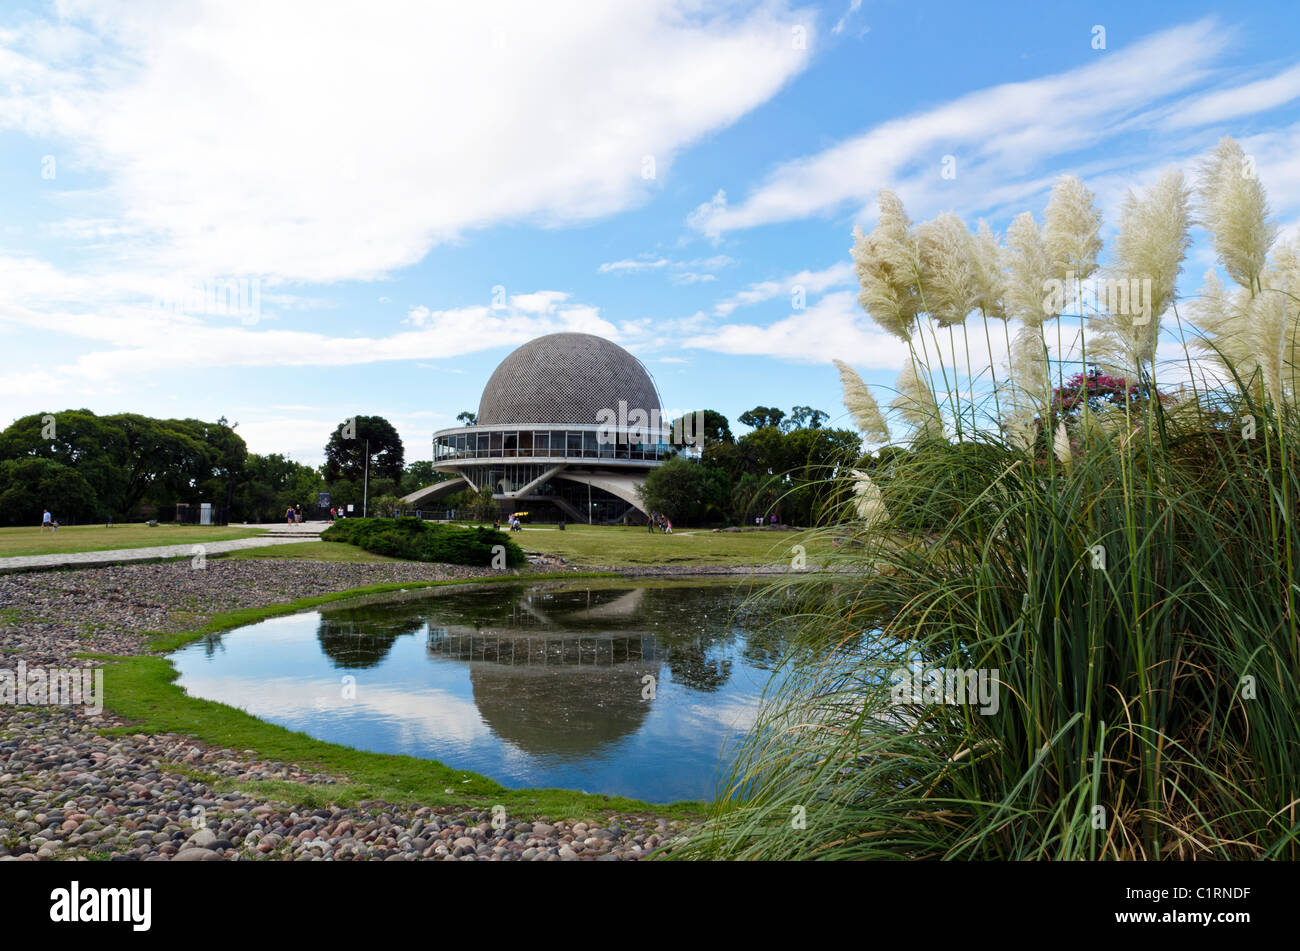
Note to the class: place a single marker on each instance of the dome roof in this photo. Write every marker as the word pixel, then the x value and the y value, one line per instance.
pixel 565 378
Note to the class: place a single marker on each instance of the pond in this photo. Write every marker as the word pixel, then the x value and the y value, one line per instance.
pixel 616 687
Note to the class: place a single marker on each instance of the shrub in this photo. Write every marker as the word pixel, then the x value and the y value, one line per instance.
pixel 417 540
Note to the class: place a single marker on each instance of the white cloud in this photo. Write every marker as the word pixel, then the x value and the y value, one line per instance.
pixel 1241 100
pixel 812 282
pixel 854 7
pixel 679 269
pixel 994 135
pixel 632 264
pixel 833 328
pixel 345 146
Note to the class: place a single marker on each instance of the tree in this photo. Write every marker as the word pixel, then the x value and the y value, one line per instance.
pixel 272 483
pixel 228 454
pixel 32 485
pixel 804 417
pixel 485 506
pixel 761 416
pixel 468 418
pixel 345 453
pixel 419 474
pixel 685 491
pixel 754 495
pixel 716 428
pixel 129 460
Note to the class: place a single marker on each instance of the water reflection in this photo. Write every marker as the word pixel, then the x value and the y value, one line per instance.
pixel 540 685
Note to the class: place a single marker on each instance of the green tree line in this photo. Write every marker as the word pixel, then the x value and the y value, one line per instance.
pixel 782 467
pixel 125 466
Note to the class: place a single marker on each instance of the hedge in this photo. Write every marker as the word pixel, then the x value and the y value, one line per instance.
pixel 417 540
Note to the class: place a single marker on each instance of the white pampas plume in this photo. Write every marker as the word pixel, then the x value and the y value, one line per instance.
pixel 1235 210
pixel 990 282
pixel 1152 242
pixel 917 405
pixel 949 282
pixel 868 504
pixel 1022 430
pixel 1257 334
pixel 1223 316
pixel 862 405
pixel 1028 269
pixel 1061 446
pixel 1273 328
pixel 1070 227
pixel 1030 374
pixel 887 265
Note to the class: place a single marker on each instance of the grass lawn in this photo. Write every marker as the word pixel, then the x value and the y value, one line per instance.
pixel 616 546
pixel 142 688
pixel 73 538
pixel 308 551
pixel 605 546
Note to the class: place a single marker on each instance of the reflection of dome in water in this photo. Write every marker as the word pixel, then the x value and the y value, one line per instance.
pixel 569 711
pixel 547 688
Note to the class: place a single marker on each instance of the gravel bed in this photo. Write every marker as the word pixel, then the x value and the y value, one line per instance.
pixel 70 792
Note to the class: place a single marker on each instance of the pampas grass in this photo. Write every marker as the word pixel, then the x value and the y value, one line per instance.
pixel 1235 210
pixel 887 264
pixel 1028 267
pixel 1152 242
pixel 949 270
pixel 862 405
pixel 1133 586
pixel 917 405
pixel 867 500
pixel 990 281
pixel 1070 229
pixel 1061 446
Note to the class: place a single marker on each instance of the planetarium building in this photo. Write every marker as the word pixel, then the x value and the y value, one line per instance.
pixel 569 426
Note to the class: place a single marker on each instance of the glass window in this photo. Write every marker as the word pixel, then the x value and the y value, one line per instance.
pixel 542 443
pixel 589 445
pixel 574 444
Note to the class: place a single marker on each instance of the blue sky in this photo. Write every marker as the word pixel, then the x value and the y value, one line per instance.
pixel 413 192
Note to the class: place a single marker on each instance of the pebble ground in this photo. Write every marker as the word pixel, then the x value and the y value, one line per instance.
pixel 71 790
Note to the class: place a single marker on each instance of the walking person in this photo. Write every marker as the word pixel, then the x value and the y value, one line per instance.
pixel 288 515
pixel 47 520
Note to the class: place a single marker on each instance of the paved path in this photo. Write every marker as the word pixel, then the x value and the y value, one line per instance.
pixel 90 559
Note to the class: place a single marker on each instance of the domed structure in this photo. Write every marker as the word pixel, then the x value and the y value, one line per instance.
pixel 565 378
pixel 568 427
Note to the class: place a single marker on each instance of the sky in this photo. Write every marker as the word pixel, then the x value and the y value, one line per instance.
pixel 392 196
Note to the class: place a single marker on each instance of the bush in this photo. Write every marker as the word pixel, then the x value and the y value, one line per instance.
pixel 417 540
